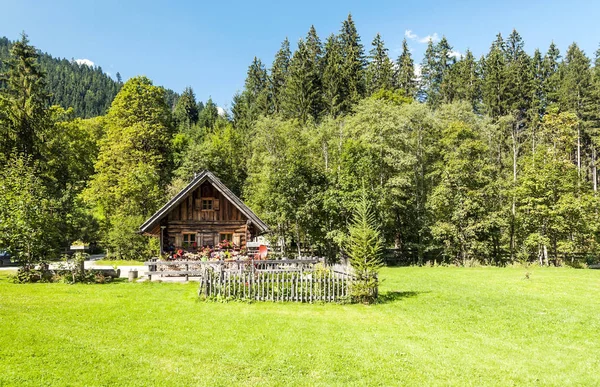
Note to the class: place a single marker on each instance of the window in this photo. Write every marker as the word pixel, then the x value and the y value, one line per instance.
pixel 226 237
pixel 207 204
pixel 189 240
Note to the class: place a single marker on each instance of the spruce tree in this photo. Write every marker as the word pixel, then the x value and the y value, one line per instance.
pixel 300 90
pixel 551 76
pixel 279 74
pixel 428 68
pixel 332 78
pixel 494 80
pixel 380 70
pixel 315 70
pixel 257 89
pixel 405 78
pixel 463 81
pixel 353 67
pixel 185 113
pixel 23 102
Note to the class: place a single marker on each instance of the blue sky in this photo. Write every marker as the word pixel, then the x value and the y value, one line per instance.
pixel 209 45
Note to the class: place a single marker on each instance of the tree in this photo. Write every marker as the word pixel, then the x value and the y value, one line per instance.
pixel 23 100
pixel 405 73
pixel 209 116
pixel 380 70
pixel 353 86
pixel 302 91
pixel 575 93
pixel 365 247
pixel 133 166
pixel 494 80
pixel 27 223
pixel 279 74
pixel 185 113
pixel 332 77
pixel 257 89
pixel 463 200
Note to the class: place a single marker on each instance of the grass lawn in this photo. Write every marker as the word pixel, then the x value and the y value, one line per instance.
pixel 436 326
pixel 118 262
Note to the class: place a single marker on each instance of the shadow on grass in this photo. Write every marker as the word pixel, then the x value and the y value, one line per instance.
pixel 394 296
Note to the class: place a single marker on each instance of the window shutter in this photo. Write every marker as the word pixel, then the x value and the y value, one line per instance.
pixel 216 205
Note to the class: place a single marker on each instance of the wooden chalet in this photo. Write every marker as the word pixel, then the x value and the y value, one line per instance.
pixel 204 213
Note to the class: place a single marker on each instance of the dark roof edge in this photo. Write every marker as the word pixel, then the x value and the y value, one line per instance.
pixel 199 179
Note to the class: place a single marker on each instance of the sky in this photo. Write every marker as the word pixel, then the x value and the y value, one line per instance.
pixel 209 45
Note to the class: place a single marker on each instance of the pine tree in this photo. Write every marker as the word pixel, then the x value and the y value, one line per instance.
pixel 257 88
pixel 551 76
pixel 332 77
pixel 463 81
pixel 353 67
pixel 279 74
pixel 428 66
pixel 405 74
pixel 494 80
pixel 300 90
pixel 23 101
pixel 315 53
pixel 436 66
pixel 185 113
pixel 209 115
pixel 575 93
pixel 519 77
pixel 380 70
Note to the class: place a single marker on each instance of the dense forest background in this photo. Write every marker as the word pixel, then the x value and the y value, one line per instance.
pixel 490 159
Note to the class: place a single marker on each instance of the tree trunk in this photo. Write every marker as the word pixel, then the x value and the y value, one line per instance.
pixel 594 170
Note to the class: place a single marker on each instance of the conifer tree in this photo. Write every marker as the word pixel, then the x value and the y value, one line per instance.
pixel 185 113
pixel 380 70
pixel 463 81
pixel 279 74
pixel 575 93
pixel 209 115
pixel 300 90
pixel 23 101
pixel 257 88
pixel 353 67
pixel 315 69
pixel 494 80
pixel 332 78
pixel 405 78
pixel 428 66
pixel 551 76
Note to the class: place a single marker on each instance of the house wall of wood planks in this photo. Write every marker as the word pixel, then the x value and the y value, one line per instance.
pixel 208 215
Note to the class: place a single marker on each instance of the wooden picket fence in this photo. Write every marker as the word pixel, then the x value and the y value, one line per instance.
pixel 298 284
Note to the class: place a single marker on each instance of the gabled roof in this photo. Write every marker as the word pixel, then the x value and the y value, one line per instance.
pixel 198 180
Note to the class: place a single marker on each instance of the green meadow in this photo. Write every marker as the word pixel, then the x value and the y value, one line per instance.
pixel 433 326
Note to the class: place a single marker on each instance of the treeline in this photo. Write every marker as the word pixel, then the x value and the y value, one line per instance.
pixel 491 159
pixel 86 89
pixel 66 179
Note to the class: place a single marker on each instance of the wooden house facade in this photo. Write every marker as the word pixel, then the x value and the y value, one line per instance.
pixel 204 213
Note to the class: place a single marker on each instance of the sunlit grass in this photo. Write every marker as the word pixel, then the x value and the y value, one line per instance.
pixel 435 326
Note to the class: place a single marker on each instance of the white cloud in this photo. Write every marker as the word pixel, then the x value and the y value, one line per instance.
pixel 434 38
pixel 86 62
pixel 221 111
pixel 412 36
pixel 456 54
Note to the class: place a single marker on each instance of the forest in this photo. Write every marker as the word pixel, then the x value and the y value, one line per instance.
pixel 490 160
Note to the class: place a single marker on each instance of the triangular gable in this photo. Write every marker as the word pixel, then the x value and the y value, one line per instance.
pixel 195 183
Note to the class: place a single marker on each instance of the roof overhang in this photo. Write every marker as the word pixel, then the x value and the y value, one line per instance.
pixel 150 224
